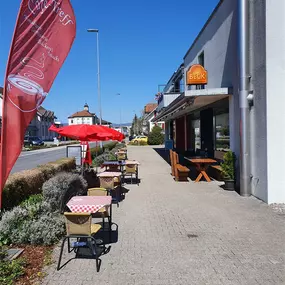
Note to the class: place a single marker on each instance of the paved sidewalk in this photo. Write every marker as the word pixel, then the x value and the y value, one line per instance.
pixel 184 233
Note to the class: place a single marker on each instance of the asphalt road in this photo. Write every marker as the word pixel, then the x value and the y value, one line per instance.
pixel 31 159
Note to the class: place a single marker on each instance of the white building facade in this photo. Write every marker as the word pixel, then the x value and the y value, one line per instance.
pixel 211 111
pixel 85 117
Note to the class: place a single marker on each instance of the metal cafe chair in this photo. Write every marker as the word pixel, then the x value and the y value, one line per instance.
pixel 121 156
pixel 109 184
pixel 80 227
pixel 103 212
pixel 131 170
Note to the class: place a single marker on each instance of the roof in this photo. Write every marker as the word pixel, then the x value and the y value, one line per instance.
pixel 83 113
pixel 148 115
pixel 148 108
pixel 192 100
pixel 44 112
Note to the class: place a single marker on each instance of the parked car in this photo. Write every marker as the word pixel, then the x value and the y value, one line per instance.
pixel 139 139
pixel 30 141
pixel 131 138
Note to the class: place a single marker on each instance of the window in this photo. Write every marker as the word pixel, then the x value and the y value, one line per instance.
pixel 201 59
pixel 71 121
pixel 222 132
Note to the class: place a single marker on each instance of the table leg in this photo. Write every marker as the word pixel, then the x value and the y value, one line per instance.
pixel 203 172
pixel 199 177
pixel 201 168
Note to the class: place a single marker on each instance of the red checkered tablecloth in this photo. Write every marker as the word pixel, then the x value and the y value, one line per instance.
pixel 88 204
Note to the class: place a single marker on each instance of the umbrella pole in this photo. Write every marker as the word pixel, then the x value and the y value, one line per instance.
pixel 96 157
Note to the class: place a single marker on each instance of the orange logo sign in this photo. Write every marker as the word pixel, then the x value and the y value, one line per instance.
pixel 197 75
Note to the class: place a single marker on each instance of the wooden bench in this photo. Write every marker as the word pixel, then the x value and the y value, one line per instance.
pixel 215 171
pixel 179 171
pixel 182 173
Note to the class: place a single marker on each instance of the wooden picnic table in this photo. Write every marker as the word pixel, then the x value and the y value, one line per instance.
pixel 202 165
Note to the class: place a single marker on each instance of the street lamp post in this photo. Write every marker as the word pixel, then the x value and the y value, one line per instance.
pixel 118 94
pixel 98 73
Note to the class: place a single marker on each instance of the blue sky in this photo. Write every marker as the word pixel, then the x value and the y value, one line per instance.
pixel 142 43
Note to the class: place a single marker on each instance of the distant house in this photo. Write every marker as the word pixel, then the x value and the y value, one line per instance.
pixel 149 114
pixel 86 117
pixel 148 108
pixel 147 121
pixel 39 125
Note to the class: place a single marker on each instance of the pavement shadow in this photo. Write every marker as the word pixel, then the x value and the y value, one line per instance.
pixel 123 192
pixel 129 180
pixel 164 153
pixel 103 238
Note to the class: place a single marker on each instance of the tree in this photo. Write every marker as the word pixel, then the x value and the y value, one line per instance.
pixel 156 136
pixel 136 128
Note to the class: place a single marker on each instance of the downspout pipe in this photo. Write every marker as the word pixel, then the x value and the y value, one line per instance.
pixel 245 185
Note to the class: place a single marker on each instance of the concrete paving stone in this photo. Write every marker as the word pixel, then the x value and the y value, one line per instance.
pixel 184 233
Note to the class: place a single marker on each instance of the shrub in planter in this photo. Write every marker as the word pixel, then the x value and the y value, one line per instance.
pixel 23 184
pixel 228 170
pixel 120 145
pixel 156 136
pixel 109 146
pixel 58 190
pixel 31 223
pixel 96 151
pixel 98 161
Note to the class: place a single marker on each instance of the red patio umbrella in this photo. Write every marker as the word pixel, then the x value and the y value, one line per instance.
pixel 118 135
pixel 86 132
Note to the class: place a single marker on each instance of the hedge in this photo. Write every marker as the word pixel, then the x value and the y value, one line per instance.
pixel 96 151
pixel 23 184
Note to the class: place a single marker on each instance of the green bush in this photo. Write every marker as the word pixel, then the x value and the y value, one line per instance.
pixel 58 190
pixel 109 146
pixel 10 271
pixel 31 224
pixel 23 184
pixel 156 136
pixel 101 158
pixel 95 151
pixel 32 200
pixel 38 220
pixel 228 165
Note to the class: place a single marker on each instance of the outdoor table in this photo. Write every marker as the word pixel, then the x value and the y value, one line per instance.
pixel 107 164
pixel 112 174
pixel 202 165
pixel 132 162
pixel 109 174
pixel 88 204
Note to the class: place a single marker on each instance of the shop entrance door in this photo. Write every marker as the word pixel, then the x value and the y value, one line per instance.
pixel 207 131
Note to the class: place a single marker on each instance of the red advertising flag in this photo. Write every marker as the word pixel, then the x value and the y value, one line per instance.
pixel 43 36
